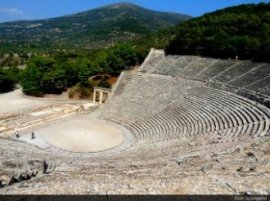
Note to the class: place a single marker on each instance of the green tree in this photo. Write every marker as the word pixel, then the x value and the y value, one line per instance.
pixel 14 74
pixel 120 58
pixel 53 82
pixel 6 82
pixel 43 63
pixel 104 83
pixel 31 80
pixel 83 70
pixel 71 72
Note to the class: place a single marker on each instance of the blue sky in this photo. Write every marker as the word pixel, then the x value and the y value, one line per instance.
pixel 39 9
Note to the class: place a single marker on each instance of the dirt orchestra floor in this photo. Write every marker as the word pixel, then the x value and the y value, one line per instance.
pixel 81 135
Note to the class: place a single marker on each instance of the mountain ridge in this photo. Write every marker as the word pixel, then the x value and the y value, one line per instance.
pixel 93 28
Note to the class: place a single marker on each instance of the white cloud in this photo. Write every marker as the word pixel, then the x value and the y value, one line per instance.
pixel 11 11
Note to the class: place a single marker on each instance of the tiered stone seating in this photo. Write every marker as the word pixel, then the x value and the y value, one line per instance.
pixel 235 71
pixel 198 65
pixel 19 161
pixel 172 66
pixel 154 57
pixel 245 78
pixel 150 111
pixel 262 86
pixel 215 69
pixel 184 123
pixel 257 73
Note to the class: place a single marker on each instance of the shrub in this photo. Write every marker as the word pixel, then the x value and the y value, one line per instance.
pixel 104 83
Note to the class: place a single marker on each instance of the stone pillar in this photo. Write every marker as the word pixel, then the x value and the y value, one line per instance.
pixel 100 97
pixel 105 96
pixel 94 97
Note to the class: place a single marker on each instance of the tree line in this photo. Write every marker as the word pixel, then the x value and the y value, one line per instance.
pixel 242 31
pixel 55 74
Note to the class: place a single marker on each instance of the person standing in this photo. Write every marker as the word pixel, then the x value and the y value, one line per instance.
pixel 17 134
pixel 33 135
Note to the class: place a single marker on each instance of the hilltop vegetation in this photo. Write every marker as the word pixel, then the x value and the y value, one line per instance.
pixel 242 31
pixel 98 28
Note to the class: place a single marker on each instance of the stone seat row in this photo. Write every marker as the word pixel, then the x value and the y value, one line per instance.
pixel 201 110
pixel 233 74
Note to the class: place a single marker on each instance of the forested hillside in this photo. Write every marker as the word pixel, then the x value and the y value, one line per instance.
pixel 242 31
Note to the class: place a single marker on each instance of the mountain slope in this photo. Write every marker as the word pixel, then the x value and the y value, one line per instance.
pixel 95 28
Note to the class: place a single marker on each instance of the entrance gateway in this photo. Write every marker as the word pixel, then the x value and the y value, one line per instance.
pixel 103 94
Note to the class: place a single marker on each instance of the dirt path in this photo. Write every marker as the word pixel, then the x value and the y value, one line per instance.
pixel 15 102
